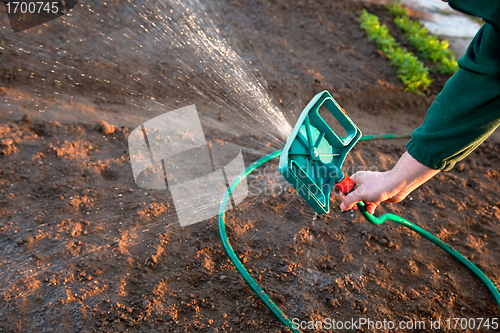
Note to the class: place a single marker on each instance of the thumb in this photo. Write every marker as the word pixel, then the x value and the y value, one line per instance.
pixel 352 198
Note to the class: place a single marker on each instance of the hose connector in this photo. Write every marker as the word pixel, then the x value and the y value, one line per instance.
pixel 345 185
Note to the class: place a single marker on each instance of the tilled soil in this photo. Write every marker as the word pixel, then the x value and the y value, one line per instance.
pixel 86 250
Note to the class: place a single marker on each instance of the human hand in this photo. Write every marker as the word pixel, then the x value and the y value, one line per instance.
pixel 372 188
pixel 391 186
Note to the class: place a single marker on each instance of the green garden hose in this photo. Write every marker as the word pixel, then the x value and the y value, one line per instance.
pixel 377 221
pixel 232 256
pixel 385 137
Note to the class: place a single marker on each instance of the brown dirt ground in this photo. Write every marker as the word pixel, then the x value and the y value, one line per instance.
pixel 85 250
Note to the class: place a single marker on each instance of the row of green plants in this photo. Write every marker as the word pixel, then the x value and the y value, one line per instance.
pixel 431 48
pixel 412 71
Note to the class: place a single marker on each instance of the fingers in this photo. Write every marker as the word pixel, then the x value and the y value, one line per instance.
pixel 352 198
pixel 364 181
pixel 349 201
pixel 357 177
pixel 370 207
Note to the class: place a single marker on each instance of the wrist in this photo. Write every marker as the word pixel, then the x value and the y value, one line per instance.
pixel 394 182
pixel 408 174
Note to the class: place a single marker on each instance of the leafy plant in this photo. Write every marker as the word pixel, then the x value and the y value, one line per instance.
pixel 412 71
pixel 428 45
pixel 396 9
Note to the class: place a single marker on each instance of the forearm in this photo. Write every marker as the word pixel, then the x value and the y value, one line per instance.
pixel 467 111
pixel 406 176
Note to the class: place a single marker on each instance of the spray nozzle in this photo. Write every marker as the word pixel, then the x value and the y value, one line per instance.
pixel 314 153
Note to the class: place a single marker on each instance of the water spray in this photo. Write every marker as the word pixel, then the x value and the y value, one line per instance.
pixel 311 162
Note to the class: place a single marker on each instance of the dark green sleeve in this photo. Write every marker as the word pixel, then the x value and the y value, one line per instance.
pixel 466 111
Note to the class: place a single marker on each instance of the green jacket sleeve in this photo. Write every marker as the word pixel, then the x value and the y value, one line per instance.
pixel 466 111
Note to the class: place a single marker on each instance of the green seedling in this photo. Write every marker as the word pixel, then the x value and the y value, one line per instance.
pixel 431 48
pixel 411 71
